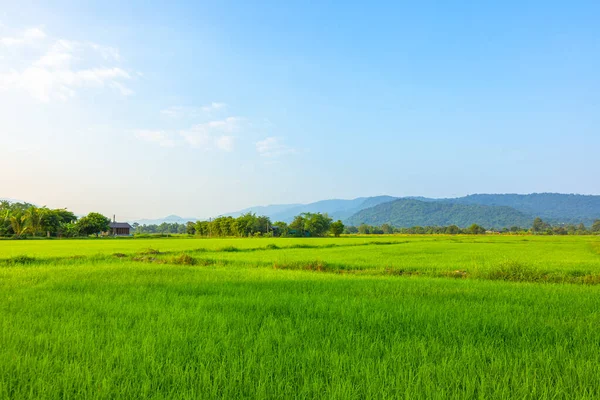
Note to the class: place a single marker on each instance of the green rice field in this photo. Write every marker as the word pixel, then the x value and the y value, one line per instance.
pixel 414 317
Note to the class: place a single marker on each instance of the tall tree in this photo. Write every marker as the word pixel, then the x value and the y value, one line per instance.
pixel 18 224
pixel 337 228
pixel 475 229
pixel 33 220
pixel 93 224
pixel 297 225
pixel 316 224
pixel 539 225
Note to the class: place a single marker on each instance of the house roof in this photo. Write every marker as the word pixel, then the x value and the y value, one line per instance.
pixel 120 225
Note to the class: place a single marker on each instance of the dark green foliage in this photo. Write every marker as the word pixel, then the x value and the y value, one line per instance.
pixel 409 212
pixel 245 225
pixel 165 228
pixel 280 228
pixel 23 219
pixel 311 224
pixel 387 229
pixel 190 228
pixel 452 230
pixel 93 224
pixel 539 226
pixel 475 229
pixel 337 228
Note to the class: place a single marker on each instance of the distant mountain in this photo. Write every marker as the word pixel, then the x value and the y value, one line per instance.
pixel 264 210
pixel 407 212
pixel 336 208
pixel 553 207
pixel 170 219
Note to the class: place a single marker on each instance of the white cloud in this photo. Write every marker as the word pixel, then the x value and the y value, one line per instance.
pixel 124 90
pixel 159 137
pixel 273 147
pixel 214 107
pixel 29 36
pixel 225 143
pixel 213 135
pixel 107 52
pixel 177 112
pixel 62 68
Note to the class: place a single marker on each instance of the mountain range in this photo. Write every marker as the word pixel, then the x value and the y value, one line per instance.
pixel 170 219
pixel 489 210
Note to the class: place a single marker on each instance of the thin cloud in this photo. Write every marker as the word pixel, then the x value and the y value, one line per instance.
pixel 214 107
pixel 213 135
pixel 159 137
pixel 29 36
pixel 178 112
pixel 273 147
pixel 55 74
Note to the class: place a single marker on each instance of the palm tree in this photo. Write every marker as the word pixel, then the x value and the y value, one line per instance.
pixel 17 222
pixel 33 220
pixel 4 216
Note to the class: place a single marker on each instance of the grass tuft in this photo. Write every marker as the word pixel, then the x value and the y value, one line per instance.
pixel 229 249
pixel 510 270
pixel 149 251
pixel 183 259
pixel 316 265
pixel 21 260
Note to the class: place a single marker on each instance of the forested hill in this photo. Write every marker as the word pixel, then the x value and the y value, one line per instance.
pixel 555 207
pixel 410 212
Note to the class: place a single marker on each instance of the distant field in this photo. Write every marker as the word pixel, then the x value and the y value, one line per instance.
pixel 67 248
pixel 349 318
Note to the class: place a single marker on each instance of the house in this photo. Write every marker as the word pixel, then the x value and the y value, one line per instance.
pixel 119 228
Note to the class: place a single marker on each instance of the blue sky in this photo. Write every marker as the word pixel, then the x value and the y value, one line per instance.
pixel 198 108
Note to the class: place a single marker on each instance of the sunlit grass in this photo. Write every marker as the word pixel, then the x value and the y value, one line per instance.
pixel 172 325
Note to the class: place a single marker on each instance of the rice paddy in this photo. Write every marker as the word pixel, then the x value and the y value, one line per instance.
pixel 350 318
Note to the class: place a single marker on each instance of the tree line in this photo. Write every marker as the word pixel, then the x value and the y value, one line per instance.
pixel 247 225
pixel 24 219
pixel 165 228
pixel 539 227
